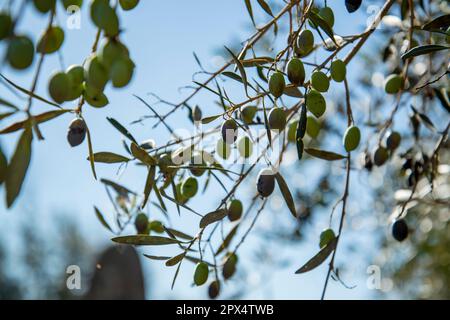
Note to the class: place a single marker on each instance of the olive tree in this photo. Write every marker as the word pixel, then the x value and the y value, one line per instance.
pixel 267 102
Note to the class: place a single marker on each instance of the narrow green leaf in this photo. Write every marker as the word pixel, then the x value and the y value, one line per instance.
pixel 442 95
pixel 241 69
pixel 156 257
pixel 121 129
pixel 226 242
pixel 212 217
pixel 109 157
pixel 441 22
pixel 324 155
pixel 301 127
pixel 145 240
pixel 117 187
pixel 233 76
pixel 254 62
pixel 29 93
pixel 142 155
pixel 421 50
pixel 102 219
pixel 149 184
pixel 319 258
pixel 8 104
pixel 6 115
pixel 91 152
pixel 265 7
pixel 175 260
pixel 18 166
pixel 210 119
pixel 286 194
pixel 248 5
pixel 40 118
pixel 160 199
pixel 179 234
pixel 3 166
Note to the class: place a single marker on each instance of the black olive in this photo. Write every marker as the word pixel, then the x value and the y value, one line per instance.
pixel 400 230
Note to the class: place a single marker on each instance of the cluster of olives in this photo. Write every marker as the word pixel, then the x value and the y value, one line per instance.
pixel 229 131
pixel 383 151
pixel 144 226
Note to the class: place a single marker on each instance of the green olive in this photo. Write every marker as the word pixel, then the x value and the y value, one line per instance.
pixel 76 77
pixel 266 182
pixel 319 81
pixel 105 17
pixel 229 267
pixel 234 210
pixel 96 73
pixel 121 72
pixel 214 289
pixel 245 147
pixel 277 119
pixel 156 226
pixel 197 161
pixel 393 140
pixel 312 127
pixel 277 84
pixel 59 87
pixel 51 40
pixel 326 237
pixel 111 51
pixel 248 113
pixel 189 187
pixel 5 25
pixel 315 103
pixel 179 197
pixel 20 52
pixel 326 13
pixel 94 97
pixel 380 156
pixel 201 273
pixel 338 70
pixel 128 4
pixel 305 43
pixel 76 132
pixel 164 162
pixel 393 84
pixel 44 6
pixel 141 223
pixel 229 131
pixel 351 138
pixel 223 149
pixel 296 71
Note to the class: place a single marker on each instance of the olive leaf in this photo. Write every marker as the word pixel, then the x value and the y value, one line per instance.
pixel 179 234
pixel 213 217
pixel 265 7
pixel 197 260
pixel 91 152
pixel 40 118
pixel 109 157
pixel 175 260
pixel 210 119
pixel 3 166
pixel 319 258
pixel 145 240
pixel 233 76
pixel 160 199
pixel 226 242
pixel 302 121
pixel 117 187
pixel 8 104
pixel 121 129
pixel 6 115
pixel 441 22
pixel 322 24
pixel 102 219
pixel 424 119
pixel 149 185
pixel 142 155
pixel 156 257
pixel 292 91
pixel 248 5
pixel 18 166
pixel 300 148
pixel 324 155
pixel 442 95
pixel 29 93
pixel 421 50
pixel 254 62
pixel 286 193
pixel 241 70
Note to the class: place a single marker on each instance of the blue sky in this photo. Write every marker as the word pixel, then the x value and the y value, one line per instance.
pixel 161 36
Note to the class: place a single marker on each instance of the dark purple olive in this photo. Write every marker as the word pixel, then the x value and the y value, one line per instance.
pixel 77 132
pixel 352 5
pixel 400 230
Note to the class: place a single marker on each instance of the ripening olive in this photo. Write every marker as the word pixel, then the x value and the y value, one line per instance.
pixel 201 273
pixel 248 113
pixel 214 289
pixel 111 51
pixel 141 223
pixel 196 114
pixel 51 40
pixel 338 70
pixel 20 52
pixel 223 149
pixel 96 73
pixel 229 131
pixel 292 130
pixel 179 197
pixel 312 127
pixel 164 162
pixel 400 230
pixel 96 100
pixel 59 87
pixel 5 25
pixel 105 17
pixel 304 43
pixel 77 132
pixel 234 210
pixel 326 237
pixel 393 83
pixel 69 3
pixel 315 103
pixel 277 119
pixel 245 147
pixel 277 84
pixel 393 140
pixel 121 72
pixel 128 4
pixel 380 156
pixel 319 81
pixel 266 182
pixel 76 77
pixel 296 71
pixel 197 161
pixel 352 5
pixel 44 6
pixel 229 267
pixel 156 226
pixel 189 187
pixel 326 13
pixel 351 139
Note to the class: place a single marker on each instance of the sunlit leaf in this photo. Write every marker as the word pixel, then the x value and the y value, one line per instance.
pixel 109 157
pixel 319 258
pixel 142 155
